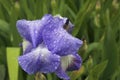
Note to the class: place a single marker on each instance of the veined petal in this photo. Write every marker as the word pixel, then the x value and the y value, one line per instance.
pixel 75 63
pixel 68 63
pixel 32 30
pixel 58 40
pixel 62 74
pixel 71 62
pixel 39 60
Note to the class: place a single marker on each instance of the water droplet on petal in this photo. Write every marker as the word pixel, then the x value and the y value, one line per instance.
pixel 36 31
pixel 42 55
pixel 55 67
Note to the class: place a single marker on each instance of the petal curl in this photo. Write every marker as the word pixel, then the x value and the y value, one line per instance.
pixel 58 40
pixel 32 30
pixel 71 62
pixel 39 60
pixel 68 63
pixel 75 63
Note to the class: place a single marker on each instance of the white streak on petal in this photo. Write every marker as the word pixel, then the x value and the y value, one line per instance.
pixel 39 59
pixel 25 44
pixel 66 61
pixel 43 50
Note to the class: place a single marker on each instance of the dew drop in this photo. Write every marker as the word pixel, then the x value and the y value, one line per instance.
pixel 55 42
pixel 42 55
pixel 36 31
pixel 55 67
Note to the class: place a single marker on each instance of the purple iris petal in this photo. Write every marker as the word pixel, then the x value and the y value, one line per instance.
pixel 68 63
pixel 76 63
pixel 66 22
pixel 32 30
pixel 58 40
pixel 48 46
pixel 39 60
pixel 61 73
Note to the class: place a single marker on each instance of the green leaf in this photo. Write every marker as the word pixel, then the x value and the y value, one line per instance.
pixel 61 9
pixel 2 16
pixel 76 74
pixel 116 75
pixel 6 4
pixel 39 9
pixel 45 7
pixel 30 77
pixel 15 36
pixel 2 72
pixel 110 50
pixel 72 4
pixel 91 47
pixel 49 77
pixel 54 7
pixel 105 5
pixel 12 55
pixel 25 8
pixel 4 33
pixel 85 11
pixel 70 11
pixel 31 5
pixel 97 71
pixel 4 26
pixel 2 55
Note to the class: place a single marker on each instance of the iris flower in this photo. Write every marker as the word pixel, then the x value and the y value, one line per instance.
pixel 48 46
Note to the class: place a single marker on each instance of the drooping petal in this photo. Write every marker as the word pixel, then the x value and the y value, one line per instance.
pixel 68 63
pixel 62 74
pixel 58 40
pixel 75 63
pixel 39 60
pixel 71 62
pixel 32 30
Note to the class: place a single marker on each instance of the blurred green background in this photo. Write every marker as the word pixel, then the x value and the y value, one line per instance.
pixel 97 23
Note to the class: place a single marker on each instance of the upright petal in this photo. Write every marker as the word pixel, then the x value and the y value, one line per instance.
pixel 32 30
pixel 39 60
pixel 58 40
pixel 67 24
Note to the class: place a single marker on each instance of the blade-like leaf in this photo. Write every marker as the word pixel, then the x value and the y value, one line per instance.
pixel 97 70
pixel 81 15
pixel 4 26
pixel 12 55
pixel 76 74
pixel 110 50
pixel 30 77
pixel 49 77
pixel 91 47
pixel 6 4
pixel 2 72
